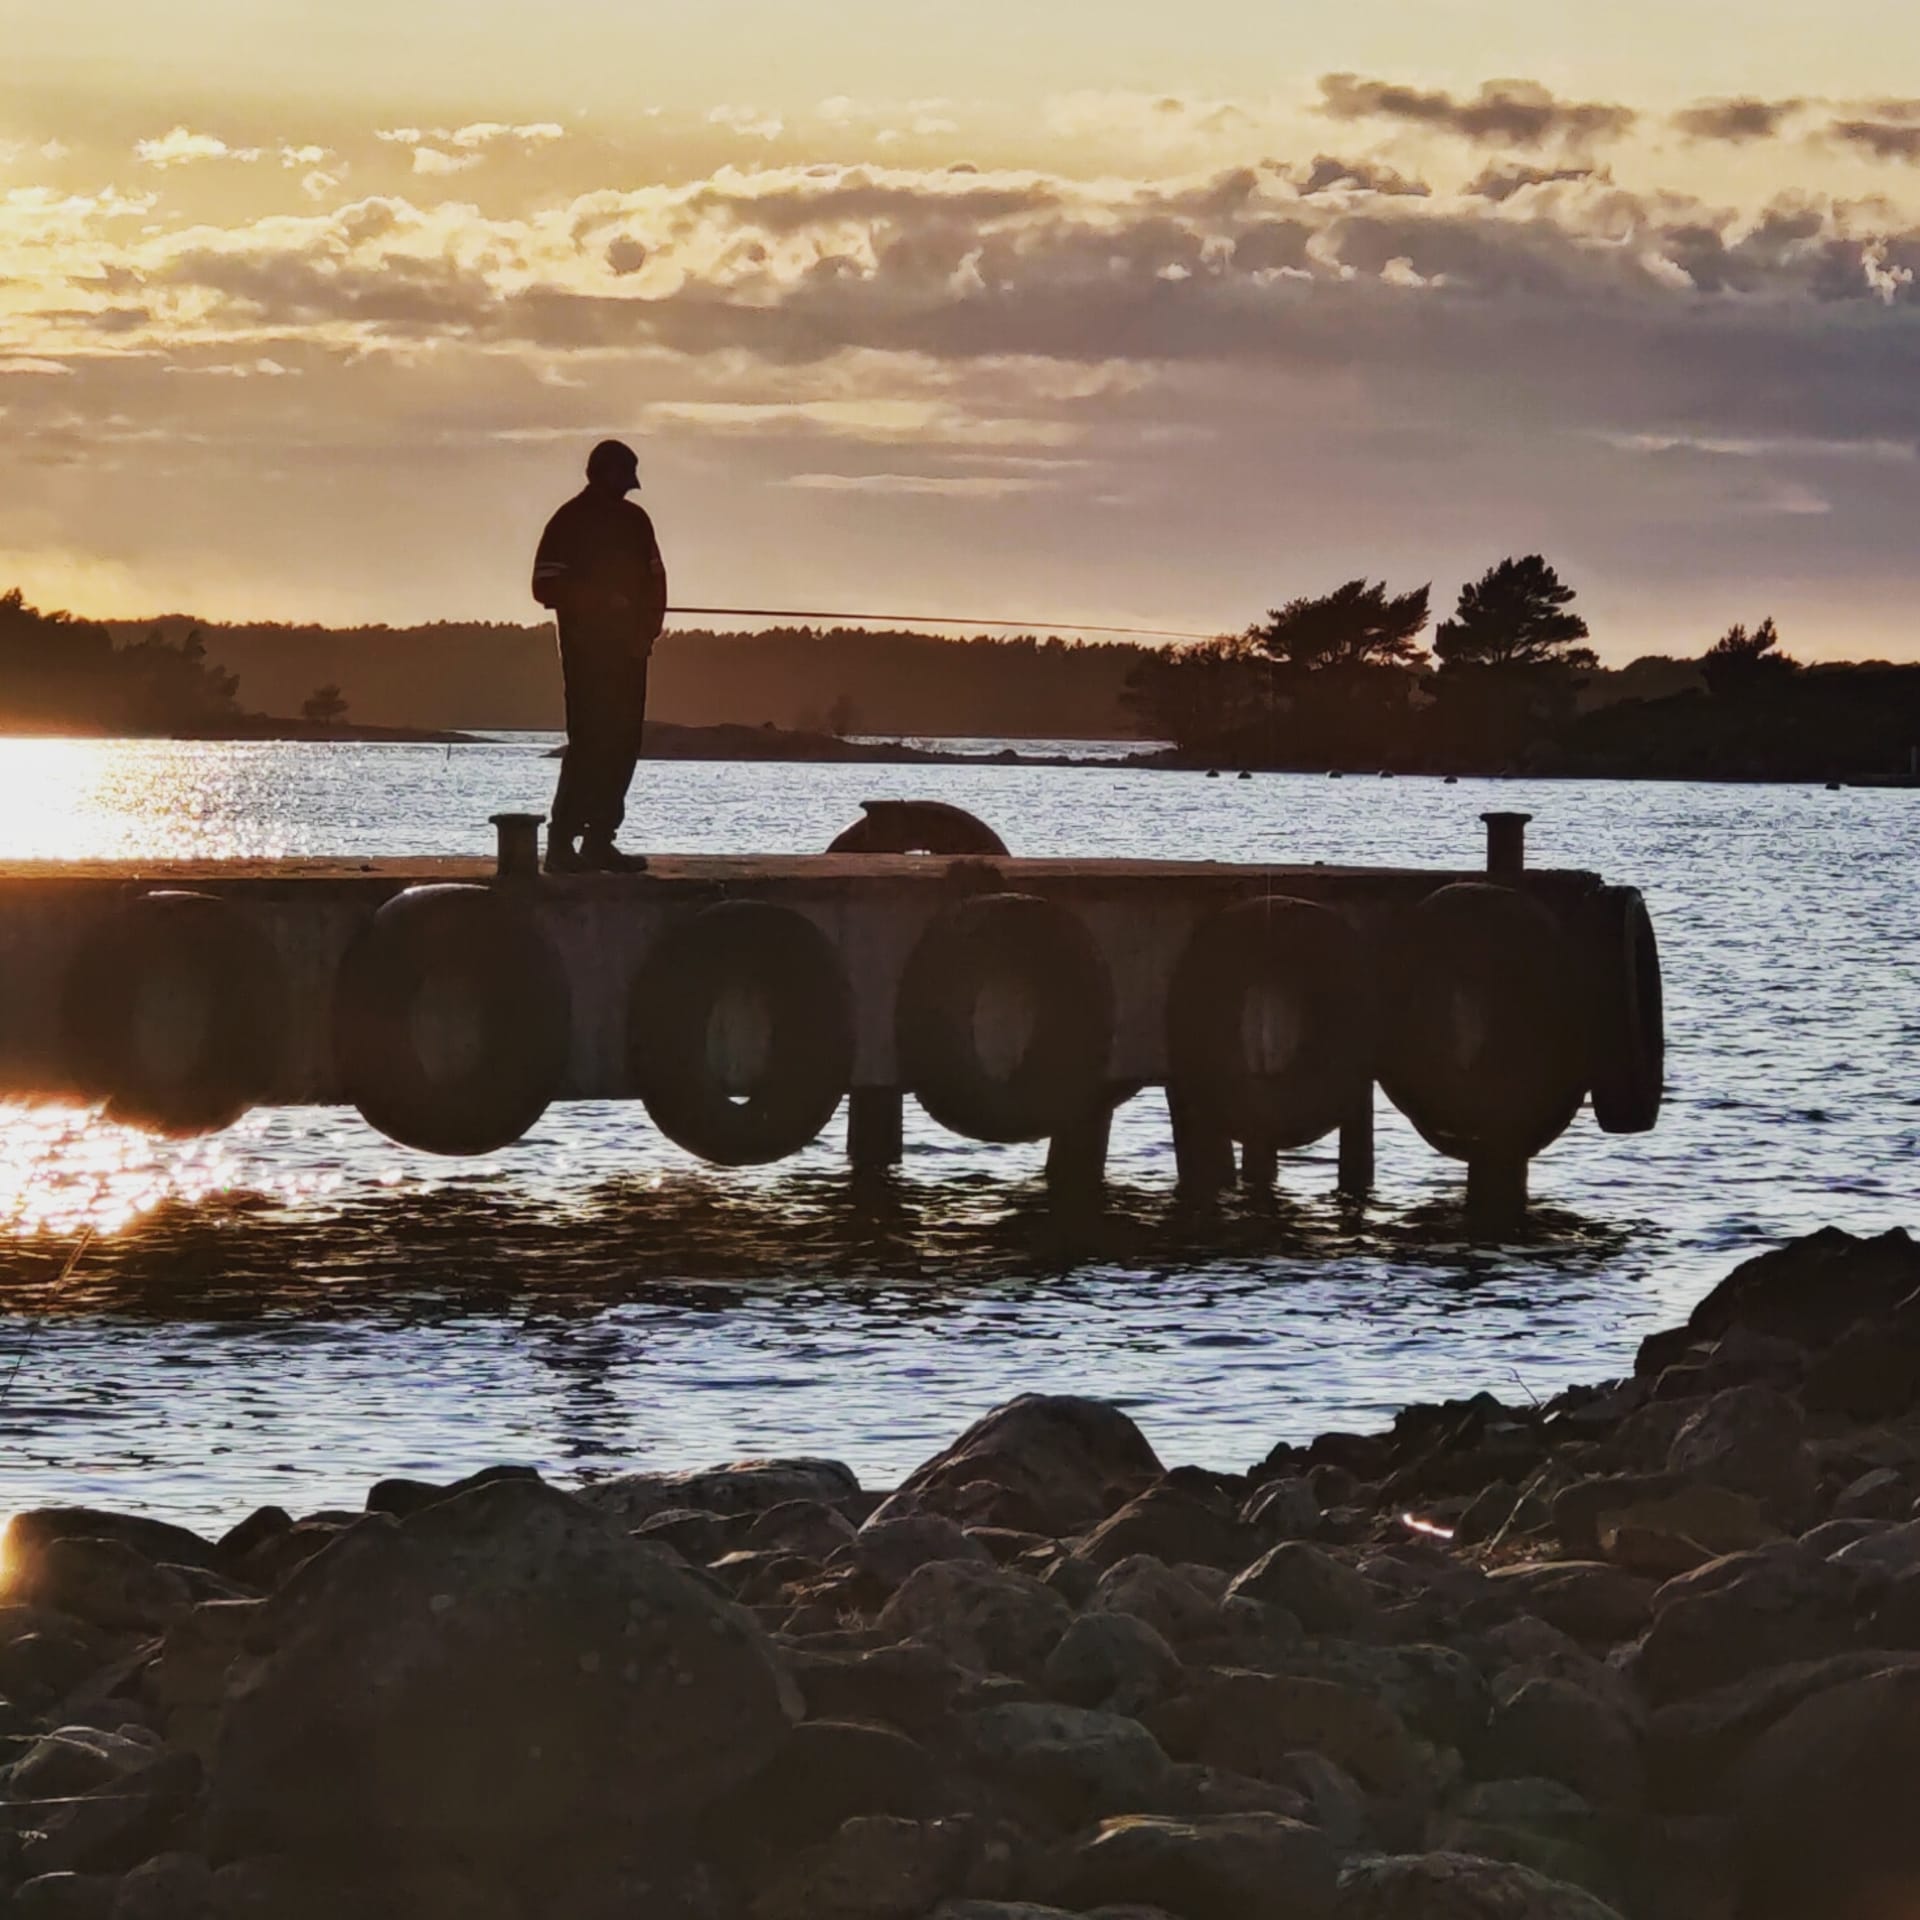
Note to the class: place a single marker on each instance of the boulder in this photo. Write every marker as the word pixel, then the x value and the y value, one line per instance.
pixel 1589 1599
pixel 1740 1613
pixel 907 1686
pixel 1052 1463
pixel 155 1541
pixel 828 1773
pixel 494 1675
pixel 1173 1524
pixel 1321 1593
pixel 1112 1660
pixel 1169 1602
pixel 64 1896
pixel 1246 1866
pixel 1073 1763
pixel 886 1551
pixel 1675 1532
pixel 873 1868
pixel 1283 1509
pixel 1824 1801
pixel 1251 1722
pixel 1751 1439
pixel 746 1486
pixel 809 1528
pixel 983 1617
pixel 170 1886
pixel 1555 1730
pixel 1455 1886
pixel 1814 1288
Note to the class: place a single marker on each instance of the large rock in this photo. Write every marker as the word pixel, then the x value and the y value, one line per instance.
pixel 496 1674
pixel 985 1618
pixel 1457 1886
pixel 1246 1866
pixel 157 1541
pixel 1742 1613
pixel 874 1868
pixel 105 1582
pixel 1555 1730
pixel 1588 1599
pixel 1751 1439
pixel 1166 1600
pixel 1073 1763
pixel 1175 1524
pixel 1825 1804
pixel 1323 1595
pixel 744 1487
pixel 1112 1660
pixel 1050 1463
pixel 1812 1289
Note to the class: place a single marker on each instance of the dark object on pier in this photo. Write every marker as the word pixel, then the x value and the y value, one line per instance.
pixel 742 1033
pixel 1005 1018
pixel 452 1020
pixel 175 1013
pixel 917 826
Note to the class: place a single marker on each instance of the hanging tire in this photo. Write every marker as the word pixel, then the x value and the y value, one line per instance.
pixel 917 826
pixel 1005 1018
pixel 1628 1061
pixel 1484 1040
pixel 741 1033
pixel 1269 1022
pixel 452 1020
pixel 174 1013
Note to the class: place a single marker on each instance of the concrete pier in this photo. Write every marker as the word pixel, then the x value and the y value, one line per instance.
pixel 291 925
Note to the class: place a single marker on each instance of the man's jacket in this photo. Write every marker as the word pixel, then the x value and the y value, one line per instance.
pixel 600 564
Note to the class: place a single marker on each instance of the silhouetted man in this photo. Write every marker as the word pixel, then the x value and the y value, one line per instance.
pixel 599 569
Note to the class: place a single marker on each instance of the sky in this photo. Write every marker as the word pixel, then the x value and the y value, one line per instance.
pixel 1119 313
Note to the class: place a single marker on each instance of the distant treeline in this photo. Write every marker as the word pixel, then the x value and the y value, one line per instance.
pixel 1509 685
pixel 844 680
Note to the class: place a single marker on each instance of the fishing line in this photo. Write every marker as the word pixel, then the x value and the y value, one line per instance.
pixel 910 620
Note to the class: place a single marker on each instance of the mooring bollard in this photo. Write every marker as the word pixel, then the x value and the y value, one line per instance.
pixel 517 855
pixel 1506 843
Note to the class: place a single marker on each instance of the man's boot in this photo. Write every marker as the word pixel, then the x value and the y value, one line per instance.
pixel 602 856
pixel 563 856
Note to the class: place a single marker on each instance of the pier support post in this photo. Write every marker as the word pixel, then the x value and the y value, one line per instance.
pixel 1202 1152
pixel 1355 1177
pixel 517 840
pixel 876 1129
pixel 1259 1166
pixel 1077 1158
pixel 1496 1194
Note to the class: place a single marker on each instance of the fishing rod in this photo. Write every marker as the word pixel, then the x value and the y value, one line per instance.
pixel 933 620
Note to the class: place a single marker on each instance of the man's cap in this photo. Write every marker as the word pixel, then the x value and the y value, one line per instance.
pixel 614 463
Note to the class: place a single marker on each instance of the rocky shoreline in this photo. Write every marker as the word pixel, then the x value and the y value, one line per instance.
pixel 1648 1650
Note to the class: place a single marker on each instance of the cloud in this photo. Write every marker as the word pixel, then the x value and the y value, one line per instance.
pixel 749 122
pixel 1512 113
pixel 1326 175
pixel 1502 182
pixel 445 150
pixel 1883 139
pixel 1736 120
pixel 181 148
pixel 951 486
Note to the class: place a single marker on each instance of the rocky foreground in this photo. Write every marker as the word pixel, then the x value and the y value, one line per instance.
pixel 1650 1650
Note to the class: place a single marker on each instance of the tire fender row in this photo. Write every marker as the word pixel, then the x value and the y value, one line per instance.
pixel 1485 1017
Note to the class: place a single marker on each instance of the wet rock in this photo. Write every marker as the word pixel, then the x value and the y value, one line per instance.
pixel 873 1868
pixel 1591 1600
pixel 1824 1803
pixel 1251 1722
pixel 1813 1289
pixel 1751 1439
pixel 888 1551
pixel 1172 1524
pixel 402 1497
pixel 1250 1866
pixel 1169 1602
pixel 1323 1595
pixel 1744 1612
pixel 1555 1730
pixel 1112 1660
pixel 73 1760
pixel 1052 1463
pixel 984 1618
pixel 746 1486
pixel 170 1886
pixel 829 1772
pixel 1453 1886
pixel 496 1673
pixel 65 1896
pixel 1283 1509
pixel 1073 1763
pixel 908 1686
pixel 1691 1744
pixel 155 1541
pixel 104 1582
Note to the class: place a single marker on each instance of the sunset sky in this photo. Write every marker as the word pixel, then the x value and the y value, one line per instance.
pixel 1056 310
